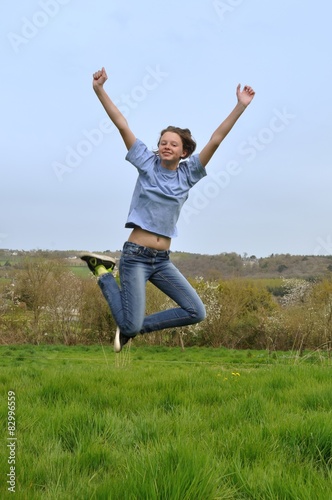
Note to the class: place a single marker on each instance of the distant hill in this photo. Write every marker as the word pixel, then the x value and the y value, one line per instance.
pixel 209 267
pixel 230 265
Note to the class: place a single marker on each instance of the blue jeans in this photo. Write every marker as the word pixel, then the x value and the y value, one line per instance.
pixel 138 265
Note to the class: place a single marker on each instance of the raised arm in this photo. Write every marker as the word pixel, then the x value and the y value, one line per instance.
pixel 244 98
pixel 99 78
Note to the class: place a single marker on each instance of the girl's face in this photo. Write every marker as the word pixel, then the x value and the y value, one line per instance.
pixel 170 148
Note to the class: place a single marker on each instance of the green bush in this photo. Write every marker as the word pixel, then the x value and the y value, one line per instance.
pixel 235 312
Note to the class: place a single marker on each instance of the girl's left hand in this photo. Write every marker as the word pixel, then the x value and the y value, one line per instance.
pixel 246 95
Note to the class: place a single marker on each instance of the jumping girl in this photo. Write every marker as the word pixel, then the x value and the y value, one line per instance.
pixel 164 179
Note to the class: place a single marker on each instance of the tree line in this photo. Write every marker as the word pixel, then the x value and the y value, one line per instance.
pixel 44 301
pixel 210 267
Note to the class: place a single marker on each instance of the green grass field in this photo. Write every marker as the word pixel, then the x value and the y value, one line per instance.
pixel 80 271
pixel 161 423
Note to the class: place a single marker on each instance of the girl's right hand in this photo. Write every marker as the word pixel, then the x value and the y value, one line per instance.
pixel 99 78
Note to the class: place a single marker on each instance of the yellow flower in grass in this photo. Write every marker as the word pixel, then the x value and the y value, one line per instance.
pixel 236 374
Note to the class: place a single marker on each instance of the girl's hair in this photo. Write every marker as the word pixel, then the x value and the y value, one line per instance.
pixel 189 145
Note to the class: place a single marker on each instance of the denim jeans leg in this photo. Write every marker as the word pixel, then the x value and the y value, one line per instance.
pixel 169 280
pixel 112 293
pixel 127 301
pixel 133 278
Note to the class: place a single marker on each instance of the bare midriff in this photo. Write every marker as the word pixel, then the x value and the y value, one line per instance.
pixel 146 239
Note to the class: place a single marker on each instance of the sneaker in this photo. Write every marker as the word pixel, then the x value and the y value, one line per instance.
pixel 120 340
pixel 94 260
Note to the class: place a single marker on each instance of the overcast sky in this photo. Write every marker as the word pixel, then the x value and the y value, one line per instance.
pixel 65 184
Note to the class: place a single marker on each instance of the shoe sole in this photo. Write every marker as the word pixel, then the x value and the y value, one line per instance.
pixel 103 258
pixel 117 343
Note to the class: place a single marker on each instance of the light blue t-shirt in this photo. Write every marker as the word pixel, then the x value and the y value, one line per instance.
pixel 160 193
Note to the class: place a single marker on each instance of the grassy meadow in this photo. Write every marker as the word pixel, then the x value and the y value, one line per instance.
pixel 160 423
